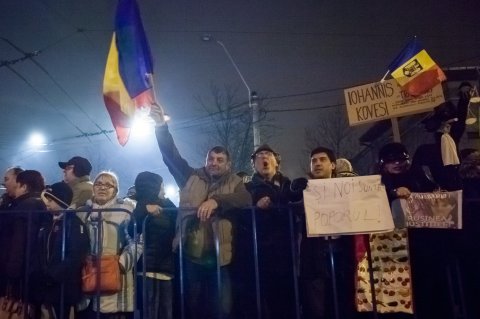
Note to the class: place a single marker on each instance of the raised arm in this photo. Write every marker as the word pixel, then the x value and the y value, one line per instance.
pixel 176 164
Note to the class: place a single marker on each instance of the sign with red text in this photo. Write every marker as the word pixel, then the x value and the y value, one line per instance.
pixel 383 100
pixel 433 210
pixel 347 205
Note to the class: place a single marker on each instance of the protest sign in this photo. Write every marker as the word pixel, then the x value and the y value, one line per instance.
pixel 383 100
pixel 433 210
pixel 348 205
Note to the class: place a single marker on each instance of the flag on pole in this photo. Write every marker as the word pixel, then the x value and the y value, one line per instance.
pixel 414 69
pixel 127 81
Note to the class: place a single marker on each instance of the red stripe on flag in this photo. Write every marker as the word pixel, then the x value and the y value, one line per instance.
pixel 121 122
pixel 424 81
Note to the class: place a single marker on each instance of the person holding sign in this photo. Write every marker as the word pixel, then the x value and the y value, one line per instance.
pixel 317 280
pixel 390 257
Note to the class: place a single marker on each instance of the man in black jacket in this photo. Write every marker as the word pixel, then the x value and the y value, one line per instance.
pixel 317 255
pixel 275 233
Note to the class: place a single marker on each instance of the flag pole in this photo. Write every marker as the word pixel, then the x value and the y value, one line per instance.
pixel 154 96
pixel 395 130
pixel 386 74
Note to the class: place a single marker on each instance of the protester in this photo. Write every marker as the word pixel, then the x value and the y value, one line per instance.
pixel 108 232
pixel 19 233
pixel 155 216
pixel 61 252
pixel 76 173
pixel 344 168
pixel 275 233
pixel 318 253
pixel 469 242
pixel 439 162
pixel 209 196
pixel 10 184
pixel 389 252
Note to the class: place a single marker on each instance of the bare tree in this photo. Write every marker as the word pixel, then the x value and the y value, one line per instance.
pixel 230 124
pixel 333 131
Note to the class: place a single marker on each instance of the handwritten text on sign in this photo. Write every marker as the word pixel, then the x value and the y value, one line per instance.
pixel 380 101
pixel 346 206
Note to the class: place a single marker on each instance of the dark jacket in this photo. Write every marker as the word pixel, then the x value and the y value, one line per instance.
pixel 51 271
pixel 409 179
pixel 19 234
pixel 158 236
pixel 273 224
pixel 430 155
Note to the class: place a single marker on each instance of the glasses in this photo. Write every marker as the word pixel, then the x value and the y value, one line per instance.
pixel 69 167
pixel 104 185
pixel 264 153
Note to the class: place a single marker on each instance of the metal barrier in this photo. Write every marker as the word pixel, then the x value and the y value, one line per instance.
pixel 181 258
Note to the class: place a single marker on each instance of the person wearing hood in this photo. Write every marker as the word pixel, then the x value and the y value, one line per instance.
pixel 155 216
pixel 271 193
pixel 210 197
pixel 54 269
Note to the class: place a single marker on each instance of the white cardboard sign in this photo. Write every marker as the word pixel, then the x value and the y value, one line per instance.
pixel 347 205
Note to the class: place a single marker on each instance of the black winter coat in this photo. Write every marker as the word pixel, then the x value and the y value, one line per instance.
pixel 51 271
pixel 17 236
pixel 273 224
pixel 158 237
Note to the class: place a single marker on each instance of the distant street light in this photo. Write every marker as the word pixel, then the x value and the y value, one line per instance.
pixel 37 140
pixel 252 96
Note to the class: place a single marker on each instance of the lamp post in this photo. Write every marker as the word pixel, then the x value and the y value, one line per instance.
pixel 252 95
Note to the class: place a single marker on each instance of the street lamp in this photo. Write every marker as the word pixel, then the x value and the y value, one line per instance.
pixel 252 96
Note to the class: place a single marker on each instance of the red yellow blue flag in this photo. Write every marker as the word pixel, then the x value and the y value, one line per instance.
pixel 414 69
pixel 127 80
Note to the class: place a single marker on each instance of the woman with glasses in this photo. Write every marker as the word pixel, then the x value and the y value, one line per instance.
pixel 108 231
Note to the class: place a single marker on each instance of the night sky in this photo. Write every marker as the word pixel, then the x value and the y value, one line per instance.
pixel 299 55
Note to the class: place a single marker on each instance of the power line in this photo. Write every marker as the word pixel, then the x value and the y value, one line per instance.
pixel 304 108
pixel 40 66
pixel 45 99
pixel 26 56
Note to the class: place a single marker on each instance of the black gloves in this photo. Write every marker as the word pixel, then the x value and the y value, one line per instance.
pixel 299 184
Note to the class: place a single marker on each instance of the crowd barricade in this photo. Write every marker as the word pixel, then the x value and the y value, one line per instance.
pixel 180 313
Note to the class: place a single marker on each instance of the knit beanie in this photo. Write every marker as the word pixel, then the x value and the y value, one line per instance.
pixel 61 193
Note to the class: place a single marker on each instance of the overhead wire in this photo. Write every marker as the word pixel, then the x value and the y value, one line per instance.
pixel 46 100
pixel 202 119
pixel 60 87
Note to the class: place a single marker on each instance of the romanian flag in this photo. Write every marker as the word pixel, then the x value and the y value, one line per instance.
pixel 126 83
pixel 414 69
